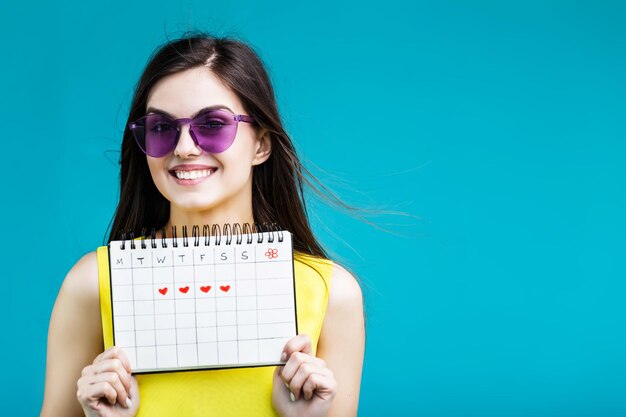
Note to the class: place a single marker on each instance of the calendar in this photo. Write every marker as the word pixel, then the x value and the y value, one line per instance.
pixel 203 303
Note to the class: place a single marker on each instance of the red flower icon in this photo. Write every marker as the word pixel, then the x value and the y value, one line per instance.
pixel 272 253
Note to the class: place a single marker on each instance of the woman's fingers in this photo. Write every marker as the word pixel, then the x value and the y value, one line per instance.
pixel 117 353
pixel 298 352
pixel 303 374
pixel 107 377
pixel 322 384
pixel 305 370
pixel 114 365
pixel 295 383
pixel 299 343
pixel 91 394
pixel 298 369
pixel 106 384
pixel 295 361
pixel 114 359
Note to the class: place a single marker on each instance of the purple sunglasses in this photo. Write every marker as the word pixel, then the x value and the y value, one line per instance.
pixel 213 131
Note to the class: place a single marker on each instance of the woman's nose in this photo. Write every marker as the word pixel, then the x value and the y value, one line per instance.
pixel 186 145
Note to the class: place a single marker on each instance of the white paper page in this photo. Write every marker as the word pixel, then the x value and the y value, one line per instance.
pixel 200 307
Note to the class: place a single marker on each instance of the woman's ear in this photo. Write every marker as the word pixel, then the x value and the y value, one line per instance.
pixel 263 147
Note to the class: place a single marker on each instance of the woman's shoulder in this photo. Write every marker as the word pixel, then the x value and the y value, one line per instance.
pixel 81 282
pixel 344 322
pixel 343 284
pixel 345 290
pixel 76 312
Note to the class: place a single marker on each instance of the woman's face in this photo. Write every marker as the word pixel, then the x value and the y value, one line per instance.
pixel 229 183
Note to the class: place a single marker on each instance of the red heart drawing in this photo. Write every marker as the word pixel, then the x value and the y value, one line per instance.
pixel 183 289
pixel 205 289
pixel 225 288
pixel 163 290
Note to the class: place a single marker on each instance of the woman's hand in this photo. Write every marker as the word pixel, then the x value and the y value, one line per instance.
pixel 106 387
pixel 304 386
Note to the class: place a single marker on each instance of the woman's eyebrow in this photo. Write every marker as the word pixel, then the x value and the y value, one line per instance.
pixel 214 107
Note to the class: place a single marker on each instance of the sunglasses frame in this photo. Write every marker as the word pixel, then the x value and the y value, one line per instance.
pixel 190 121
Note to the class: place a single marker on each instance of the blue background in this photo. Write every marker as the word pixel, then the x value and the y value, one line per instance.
pixel 497 127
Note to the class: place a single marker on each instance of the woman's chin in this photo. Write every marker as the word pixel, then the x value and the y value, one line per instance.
pixel 195 205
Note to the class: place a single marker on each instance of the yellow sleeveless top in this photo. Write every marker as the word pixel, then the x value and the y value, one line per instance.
pixel 224 392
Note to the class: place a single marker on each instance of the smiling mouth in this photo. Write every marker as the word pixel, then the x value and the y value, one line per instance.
pixel 192 175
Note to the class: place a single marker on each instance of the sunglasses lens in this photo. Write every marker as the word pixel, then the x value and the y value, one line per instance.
pixel 215 130
pixel 160 135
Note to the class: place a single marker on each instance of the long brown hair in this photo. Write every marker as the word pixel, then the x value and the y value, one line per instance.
pixel 277 190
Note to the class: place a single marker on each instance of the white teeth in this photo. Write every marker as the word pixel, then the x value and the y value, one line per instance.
pixel 192 175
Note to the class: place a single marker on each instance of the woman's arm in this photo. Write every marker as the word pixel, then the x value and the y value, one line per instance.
pixel 342 341
pixel 327 384
pixel 74 337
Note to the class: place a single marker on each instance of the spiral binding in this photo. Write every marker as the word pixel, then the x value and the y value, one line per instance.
pixel 223 235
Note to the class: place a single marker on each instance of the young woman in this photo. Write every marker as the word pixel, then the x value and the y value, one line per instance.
pixel 248 173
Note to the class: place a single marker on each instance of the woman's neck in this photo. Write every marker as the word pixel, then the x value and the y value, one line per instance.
pixel 190 218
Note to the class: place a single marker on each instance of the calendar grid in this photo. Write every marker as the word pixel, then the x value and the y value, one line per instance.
pixel 236 309
pixel 175 312
pixel 220 306
pixel 217 350
pixel 195 307
pixel 132 289
pixel 156 356
pixel 256 291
